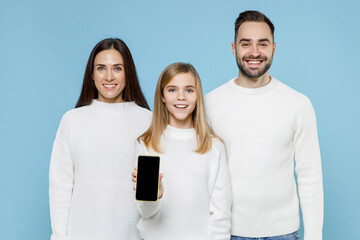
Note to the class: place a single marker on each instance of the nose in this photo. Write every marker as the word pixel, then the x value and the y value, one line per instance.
pixel 254 51
pixel 181 95
pixel 109 76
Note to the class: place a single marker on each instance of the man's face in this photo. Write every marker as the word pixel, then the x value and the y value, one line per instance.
pixel 254 49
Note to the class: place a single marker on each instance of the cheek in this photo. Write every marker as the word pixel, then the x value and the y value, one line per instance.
pixel 192 101
pixel 167 98
pixel 97 78
pixel 96 82
pixel 121 77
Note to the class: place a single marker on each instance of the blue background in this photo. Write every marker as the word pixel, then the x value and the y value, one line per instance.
pixel 44 46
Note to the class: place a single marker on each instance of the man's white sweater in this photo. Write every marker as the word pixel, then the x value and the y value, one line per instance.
pixel 197 200
pixel 265 129
pixel 90 188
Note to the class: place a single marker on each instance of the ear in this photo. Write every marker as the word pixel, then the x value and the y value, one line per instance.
pixel 274 48
pixel 163 99
pixel 233 49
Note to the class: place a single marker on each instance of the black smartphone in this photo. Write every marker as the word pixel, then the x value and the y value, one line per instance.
pixel 147 180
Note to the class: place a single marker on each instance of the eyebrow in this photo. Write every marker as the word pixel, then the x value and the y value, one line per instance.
pixel 101 65
pixel 168 86
pixel 249 40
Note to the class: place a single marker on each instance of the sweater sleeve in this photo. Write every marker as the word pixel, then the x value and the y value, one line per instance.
pixel 61 179
pixel 308 171
pixel 145 209
pixel 220 202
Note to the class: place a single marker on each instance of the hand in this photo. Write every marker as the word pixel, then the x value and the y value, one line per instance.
pixel 161 186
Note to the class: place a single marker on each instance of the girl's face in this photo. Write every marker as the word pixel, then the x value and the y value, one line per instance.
pixel 180 100
pixel 109 76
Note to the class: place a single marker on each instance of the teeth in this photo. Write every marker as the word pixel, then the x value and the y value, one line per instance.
pixel 109 86
pixel 256 62
pixel 181 106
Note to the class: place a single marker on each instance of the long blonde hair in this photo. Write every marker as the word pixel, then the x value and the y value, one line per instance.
pixel 160 119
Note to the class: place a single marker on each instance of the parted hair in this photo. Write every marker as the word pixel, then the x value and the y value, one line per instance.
pixel 160 119
pixel 132 90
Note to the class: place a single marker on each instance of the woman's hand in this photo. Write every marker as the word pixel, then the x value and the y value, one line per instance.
pixel 161 186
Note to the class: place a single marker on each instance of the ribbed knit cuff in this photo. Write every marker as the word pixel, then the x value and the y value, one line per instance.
pixel 312 234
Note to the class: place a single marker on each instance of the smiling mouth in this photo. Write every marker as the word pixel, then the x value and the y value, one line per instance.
pixel 181 106
pixel 109 86
pixel 254 62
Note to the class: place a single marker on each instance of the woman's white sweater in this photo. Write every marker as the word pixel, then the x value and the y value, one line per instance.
pixel 90 188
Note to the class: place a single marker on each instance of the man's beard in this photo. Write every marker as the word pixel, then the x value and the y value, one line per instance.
pixel 251 74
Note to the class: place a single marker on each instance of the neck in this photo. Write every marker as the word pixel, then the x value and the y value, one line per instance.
pixel 181 124
pixel 244 81
pixel 117 99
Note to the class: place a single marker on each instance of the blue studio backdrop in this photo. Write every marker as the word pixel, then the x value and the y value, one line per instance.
pixel 44 46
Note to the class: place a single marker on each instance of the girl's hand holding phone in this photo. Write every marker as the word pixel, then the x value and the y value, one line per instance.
pixel 161 186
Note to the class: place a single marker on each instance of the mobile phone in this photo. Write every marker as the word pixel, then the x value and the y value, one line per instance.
pixel 147 179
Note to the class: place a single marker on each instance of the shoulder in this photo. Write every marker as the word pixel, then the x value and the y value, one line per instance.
pixel 290 94
pixel 136 109
pixel 218 145
pixel 215 98
pixel 74 114
pixel 140 145
pixel 140 148
pixel 218 92
pixel 69 119
pixel 297 102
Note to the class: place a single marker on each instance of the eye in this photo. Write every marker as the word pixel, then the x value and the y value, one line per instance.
pixel 189 90
pixel 100 68
pixel 245 45
pixel 171 90
pixel 263 45
pixel 117 69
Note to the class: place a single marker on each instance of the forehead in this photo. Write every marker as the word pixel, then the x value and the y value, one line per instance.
pixel 254 31
pixel 108 56
pixel 182 79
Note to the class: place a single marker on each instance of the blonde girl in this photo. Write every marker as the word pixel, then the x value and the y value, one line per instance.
pixel 194 198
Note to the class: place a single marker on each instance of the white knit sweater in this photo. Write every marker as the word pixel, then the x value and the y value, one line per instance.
pixel 90 188
pixel 196 201
pixel 265 129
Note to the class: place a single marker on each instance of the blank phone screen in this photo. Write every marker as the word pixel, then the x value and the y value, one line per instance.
pixel 147 180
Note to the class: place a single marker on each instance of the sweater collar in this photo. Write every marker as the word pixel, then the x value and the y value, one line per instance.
pixel 253 91
pixel 179 133
pixel 111 106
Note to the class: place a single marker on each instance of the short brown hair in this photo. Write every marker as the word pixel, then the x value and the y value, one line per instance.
pixel 253 16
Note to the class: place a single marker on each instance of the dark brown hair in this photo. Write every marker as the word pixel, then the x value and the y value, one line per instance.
pixel 132 90
pixel 252 16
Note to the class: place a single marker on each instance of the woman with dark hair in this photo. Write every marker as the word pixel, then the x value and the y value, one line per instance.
pixel 89 188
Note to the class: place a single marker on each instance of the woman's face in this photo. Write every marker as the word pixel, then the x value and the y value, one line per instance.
pixel 109 76
pixel 180 100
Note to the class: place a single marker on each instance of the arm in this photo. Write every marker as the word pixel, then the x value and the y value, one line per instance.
pixel 61 179
pixel 220 202
pixel 147 209
pixel 308 171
